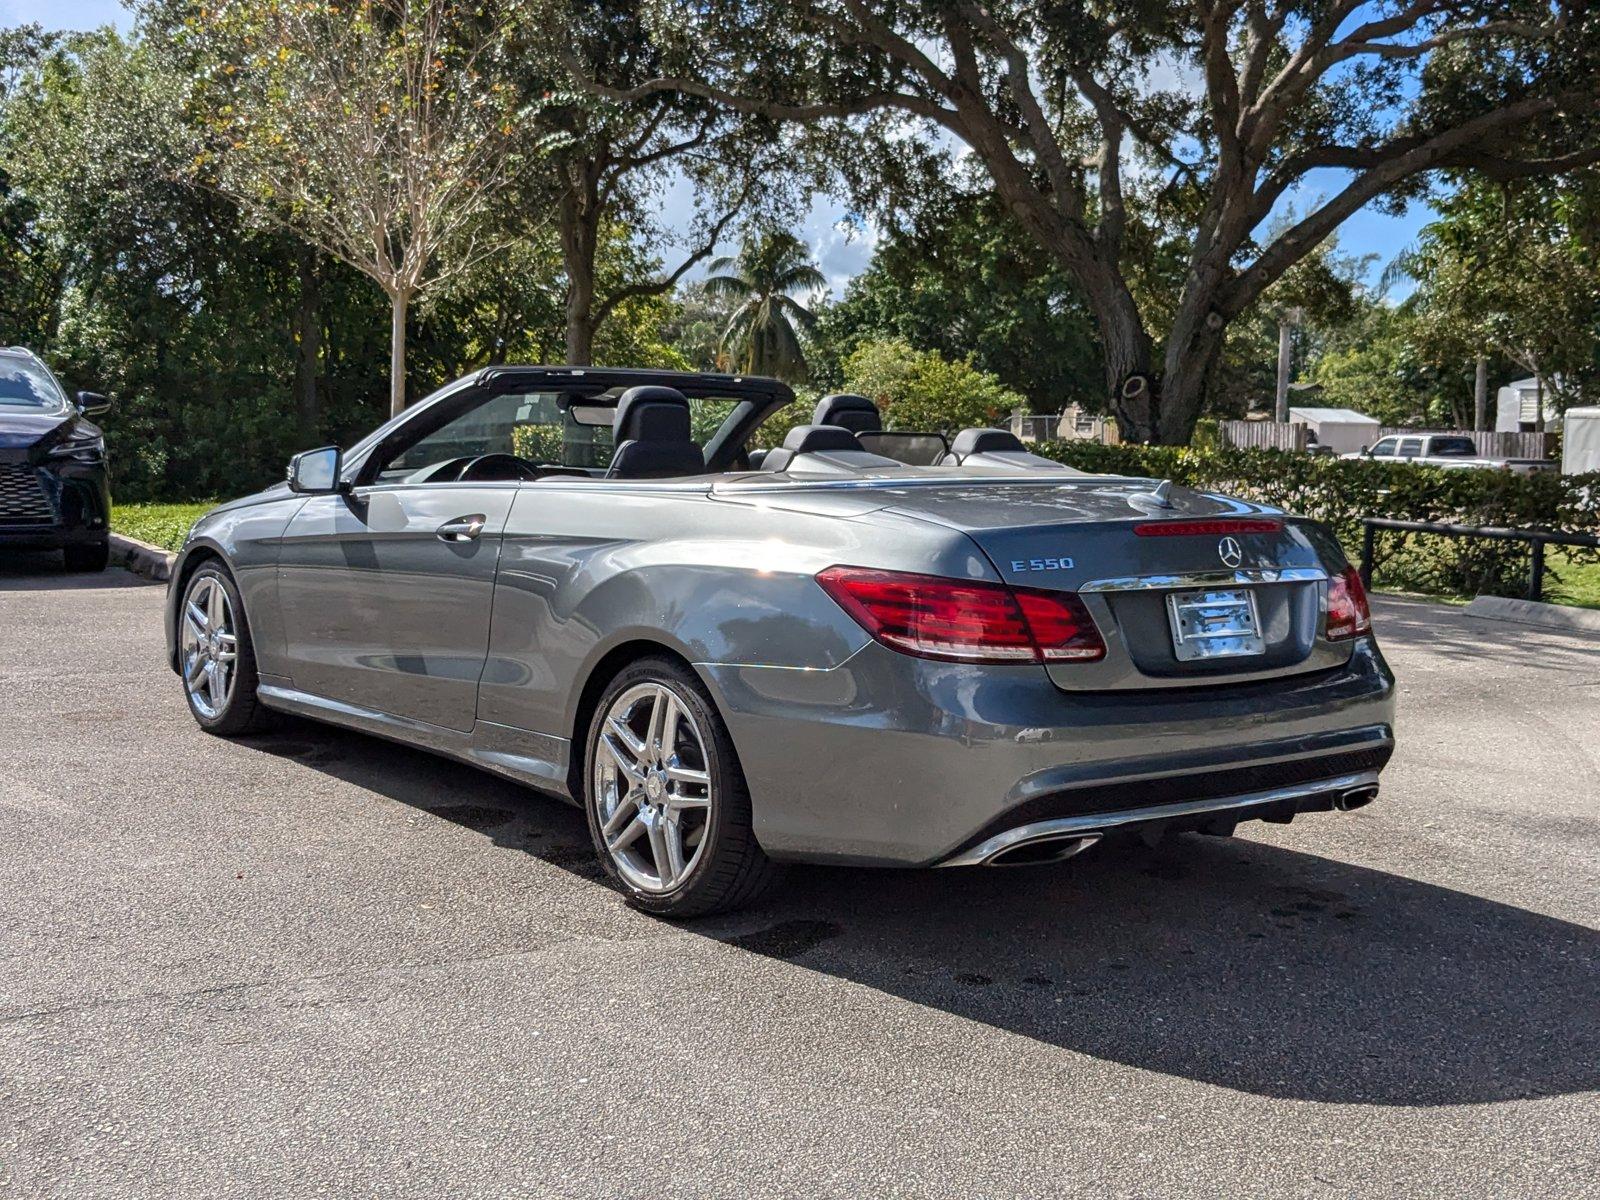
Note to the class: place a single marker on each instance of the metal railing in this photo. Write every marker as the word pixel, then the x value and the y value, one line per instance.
pixel 1538 539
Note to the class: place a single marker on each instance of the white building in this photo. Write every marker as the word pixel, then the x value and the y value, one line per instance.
pixel 1342 430
pixel 1517 408
pixel 1580 441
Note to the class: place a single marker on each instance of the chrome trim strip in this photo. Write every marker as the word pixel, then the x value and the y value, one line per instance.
pixel 1099 823
pixel 1199 579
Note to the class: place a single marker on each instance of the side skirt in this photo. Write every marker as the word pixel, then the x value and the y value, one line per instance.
pixel 536 760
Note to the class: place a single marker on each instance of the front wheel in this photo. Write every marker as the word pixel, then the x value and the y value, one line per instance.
pixel 667 803
pixel 216 658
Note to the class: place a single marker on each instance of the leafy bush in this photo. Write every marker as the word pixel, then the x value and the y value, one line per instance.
pixel 920 390
pixel 1341 492
pixel 164 525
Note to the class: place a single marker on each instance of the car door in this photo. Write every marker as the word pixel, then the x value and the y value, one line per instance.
pixel 386 591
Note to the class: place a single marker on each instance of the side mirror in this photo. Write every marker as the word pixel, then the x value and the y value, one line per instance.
pixel 93 404
pixel 316 472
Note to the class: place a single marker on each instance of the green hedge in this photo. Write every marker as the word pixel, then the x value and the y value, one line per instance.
pixel 1341 492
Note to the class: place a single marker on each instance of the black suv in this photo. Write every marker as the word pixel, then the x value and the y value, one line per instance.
pixel 53 489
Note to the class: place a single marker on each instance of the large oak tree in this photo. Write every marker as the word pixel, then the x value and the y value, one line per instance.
pixel 1336 102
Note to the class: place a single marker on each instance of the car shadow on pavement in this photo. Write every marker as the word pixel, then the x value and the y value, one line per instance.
pixel 1225 961
pixel 28 570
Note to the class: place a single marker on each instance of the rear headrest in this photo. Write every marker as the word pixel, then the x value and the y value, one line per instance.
pixel 651 414
pixel 813 439
pixel 982 441
pixel 848 411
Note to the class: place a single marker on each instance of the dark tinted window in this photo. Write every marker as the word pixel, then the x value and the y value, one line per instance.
pixel 25 384
pixel 1454 447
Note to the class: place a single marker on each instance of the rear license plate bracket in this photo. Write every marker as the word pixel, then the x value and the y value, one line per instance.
pixel 1214 623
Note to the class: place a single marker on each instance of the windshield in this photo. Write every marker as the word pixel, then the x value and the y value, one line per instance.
pixel 25 384
pixel 1455 447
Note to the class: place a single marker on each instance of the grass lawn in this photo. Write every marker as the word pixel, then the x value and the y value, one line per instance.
pixel 162 525
pixel 1579 584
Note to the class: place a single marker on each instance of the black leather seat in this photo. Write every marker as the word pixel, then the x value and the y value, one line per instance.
pixel 984 441
pixel 829 449
pixel 999 450
pixel 651 431
pixel 848 411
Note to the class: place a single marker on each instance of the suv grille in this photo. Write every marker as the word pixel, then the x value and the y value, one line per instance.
pixel 22 496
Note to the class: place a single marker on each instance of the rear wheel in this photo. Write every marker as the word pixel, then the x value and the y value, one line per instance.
pixel 667 803
pixel 215 656
pixel 92 557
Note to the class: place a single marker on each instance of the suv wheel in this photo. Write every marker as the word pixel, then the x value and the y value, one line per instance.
pixel 668 808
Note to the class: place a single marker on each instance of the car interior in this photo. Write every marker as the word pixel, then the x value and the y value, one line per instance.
pixel 654 431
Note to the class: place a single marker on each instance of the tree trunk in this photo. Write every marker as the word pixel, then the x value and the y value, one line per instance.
pixel 1129 361
pixel 1480 394
pixel 579 215
pixel 1538 401
pixel 308 347
pixel 398 303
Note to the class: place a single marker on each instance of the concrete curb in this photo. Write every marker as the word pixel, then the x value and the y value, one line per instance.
pixel 1529 612
pixel 152 562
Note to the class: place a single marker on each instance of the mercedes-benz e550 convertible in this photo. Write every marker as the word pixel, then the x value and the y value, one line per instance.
pixel 859 646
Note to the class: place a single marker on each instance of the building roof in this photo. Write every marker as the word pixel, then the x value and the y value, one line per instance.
pixel 1333 416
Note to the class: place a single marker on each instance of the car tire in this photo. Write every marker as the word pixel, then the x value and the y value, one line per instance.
pixel 643 796
pixel 93 557
pixel 232 708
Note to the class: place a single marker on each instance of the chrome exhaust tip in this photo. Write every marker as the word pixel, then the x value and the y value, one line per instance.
pixel 1042 850
pixel 1355 798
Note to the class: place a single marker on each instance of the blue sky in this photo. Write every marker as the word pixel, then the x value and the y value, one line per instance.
pixel 840 256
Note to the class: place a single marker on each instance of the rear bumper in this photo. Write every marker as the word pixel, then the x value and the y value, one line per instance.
pixel 892 760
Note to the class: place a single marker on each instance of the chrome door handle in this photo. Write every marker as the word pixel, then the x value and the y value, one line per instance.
pixel 462 529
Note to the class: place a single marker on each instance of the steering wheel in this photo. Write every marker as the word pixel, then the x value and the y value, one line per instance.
pixel 492 468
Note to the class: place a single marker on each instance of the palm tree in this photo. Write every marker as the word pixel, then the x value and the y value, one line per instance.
pixel 762 336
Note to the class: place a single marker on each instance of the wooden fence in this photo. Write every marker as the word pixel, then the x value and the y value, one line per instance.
pixel 1263 435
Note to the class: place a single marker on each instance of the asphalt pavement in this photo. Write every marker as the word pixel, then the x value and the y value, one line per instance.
pixel 314 963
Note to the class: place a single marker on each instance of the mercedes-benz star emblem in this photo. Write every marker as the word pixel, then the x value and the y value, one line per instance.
pixel 1228 550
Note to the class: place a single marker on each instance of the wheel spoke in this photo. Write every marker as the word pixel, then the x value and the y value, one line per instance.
pixel 660 703
pixel 191 666
pixel 669 727
pixel 688 775
pixel 196 617
pixel 619 730
pixel 213 684
pixel 625 762
pixel 677 801
pixel 217 605
pixel 663 856
pixel 627 809
pixel 629 834
pixel 672 842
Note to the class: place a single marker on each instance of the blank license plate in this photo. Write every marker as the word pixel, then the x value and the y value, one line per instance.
pixel 1216 623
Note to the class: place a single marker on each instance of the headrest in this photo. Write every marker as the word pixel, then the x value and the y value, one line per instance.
pixel 812 439
pixel 855 413
pixel 651 414
pixel 982 441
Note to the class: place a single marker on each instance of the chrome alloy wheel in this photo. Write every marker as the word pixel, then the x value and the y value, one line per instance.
pixel 651 787
pixel 209 646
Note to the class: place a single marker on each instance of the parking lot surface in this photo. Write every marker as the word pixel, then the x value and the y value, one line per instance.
pixel 314 963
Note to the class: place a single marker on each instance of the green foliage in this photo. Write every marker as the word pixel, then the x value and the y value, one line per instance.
pixel 1341 492
pixel 762 336
pixel 962 278
pixel 920 390
pixel 164 525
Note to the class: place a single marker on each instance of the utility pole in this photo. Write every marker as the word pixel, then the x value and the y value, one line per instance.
pixel 1287 320
pixel 1480 395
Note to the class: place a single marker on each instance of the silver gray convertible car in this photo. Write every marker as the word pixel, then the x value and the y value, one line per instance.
pixel 591 581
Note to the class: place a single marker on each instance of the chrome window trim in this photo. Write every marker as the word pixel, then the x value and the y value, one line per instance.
pixel 1201 579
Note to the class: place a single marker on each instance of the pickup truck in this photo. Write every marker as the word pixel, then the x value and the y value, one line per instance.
pixel 1451 450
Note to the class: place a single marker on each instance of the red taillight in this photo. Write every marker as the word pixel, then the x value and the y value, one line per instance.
pixel 959 620
pixel 1348 614
pixel 1216 528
